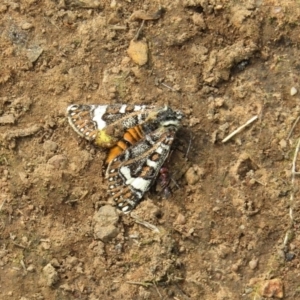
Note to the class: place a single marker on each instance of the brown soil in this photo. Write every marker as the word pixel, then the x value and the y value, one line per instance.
pixel 230 228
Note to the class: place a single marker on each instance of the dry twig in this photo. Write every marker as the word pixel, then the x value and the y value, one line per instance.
pixel 144 223
pixel 239 129
pixel 168 87
pixel 288 234
pixel 292 129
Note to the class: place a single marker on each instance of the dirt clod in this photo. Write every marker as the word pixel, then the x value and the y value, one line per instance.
pixel 272 288
pixel 194 174
pixel 138 52
pixel 50 275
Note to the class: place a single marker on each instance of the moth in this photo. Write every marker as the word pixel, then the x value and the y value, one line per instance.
pixel 139 139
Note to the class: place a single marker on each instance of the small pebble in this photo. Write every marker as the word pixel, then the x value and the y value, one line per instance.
pixel 31 268
pixel 105 223
pixel 50 146
pixel 58 161
pixel 7 119
pixel 113 4
pixel 272 288
pixel 293 91
pixel 253 263
pixel 283 144
pixel 26 26
pixel 289 256
pixel 199 21
pixel 34 53
pixel 194 174
pixel 3 8
pixel 50 275
pixel 180 219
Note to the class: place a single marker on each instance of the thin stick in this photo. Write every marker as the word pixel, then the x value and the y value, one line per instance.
pixel 189 147
pixel 2 204
pixel 168 87
pixel 23 265
pixel 144 284
pixel 292 129
pixel 291 210
pixel 159 294
pixel 144 223
pixel 239 129
pixel 139 31
pixel 19 245
pixel 294 161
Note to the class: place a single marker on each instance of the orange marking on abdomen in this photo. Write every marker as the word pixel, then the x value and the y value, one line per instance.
pixel 132 136
pixel 122 145
pixel 139 132
pixel 129 137
pixel 113 153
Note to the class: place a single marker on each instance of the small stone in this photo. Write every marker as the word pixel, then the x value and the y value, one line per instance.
pixel 46 245
pixel 106 215
pixel 26 26
pixel 105 233
pixel 50 275
pixel 66 287
pixel 34 53
pixel 7 119
pixel 272 288
pixel 219 102
pixel 14 5
pixel 138 52
pixel 31 268
pixel 125 61
pixel 58 161
pixel 194 174
pixel 283 144
pixel 180 220
pixel 113 19
pixel 105 220
pixel 293 91
pixel 3 8
pixel 50 146
pixel 289 256
pixel 253 263
pixel 71 261
pixel 24 177
pixel 199 21
pixel 55 263
pixel 113 4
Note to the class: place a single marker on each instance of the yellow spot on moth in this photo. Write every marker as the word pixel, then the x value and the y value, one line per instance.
pixel 105 140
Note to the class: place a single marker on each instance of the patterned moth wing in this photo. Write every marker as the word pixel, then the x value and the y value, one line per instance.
pixel 139 138
pixel 131 174
pixel 106 124
pixel 119 126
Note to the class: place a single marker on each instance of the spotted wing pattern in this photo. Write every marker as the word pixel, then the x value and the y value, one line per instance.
pixel 131 174
pixel 139 138
pixel 106 124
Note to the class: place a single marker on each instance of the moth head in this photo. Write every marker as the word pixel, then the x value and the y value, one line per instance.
pixel 168 117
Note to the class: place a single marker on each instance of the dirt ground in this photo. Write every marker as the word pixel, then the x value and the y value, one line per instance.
pixel 230 228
